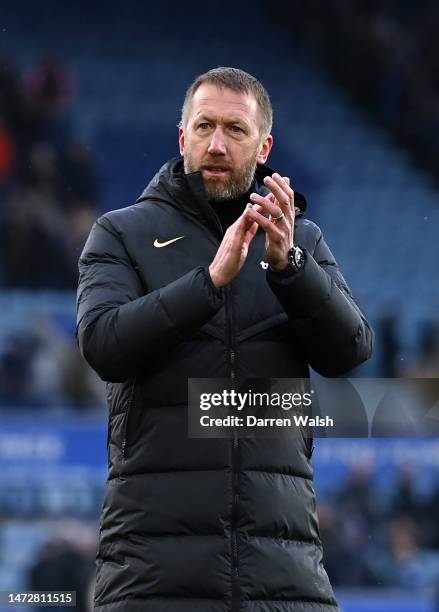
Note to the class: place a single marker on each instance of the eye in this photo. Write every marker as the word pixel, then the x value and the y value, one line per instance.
pixel 203 126
pixel 236 129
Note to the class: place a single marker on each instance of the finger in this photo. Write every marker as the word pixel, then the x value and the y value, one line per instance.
pixel 270 228
pixel 284 182
pixel 259 209
pixel 276 211
pixel 283 193
pixel 264 202
pixel 246 219
pixel 287 180
pixel 239 228
pixel 280 189
pixel 293 209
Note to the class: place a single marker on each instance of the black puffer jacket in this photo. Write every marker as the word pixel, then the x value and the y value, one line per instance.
pixel 205 525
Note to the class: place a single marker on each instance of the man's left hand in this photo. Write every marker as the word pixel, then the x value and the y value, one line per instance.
pixel 279 227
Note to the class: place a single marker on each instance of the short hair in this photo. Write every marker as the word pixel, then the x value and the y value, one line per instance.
pixel 237 80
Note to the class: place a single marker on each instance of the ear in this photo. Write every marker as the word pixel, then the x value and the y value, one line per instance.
pixel 265 149
pixel 181 139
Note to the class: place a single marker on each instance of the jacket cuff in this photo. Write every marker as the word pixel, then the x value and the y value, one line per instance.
pixel 305 291
pixel 191 301
pixel 217 291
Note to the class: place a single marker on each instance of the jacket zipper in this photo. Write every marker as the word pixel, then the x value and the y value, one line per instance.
pixel 235 458
pixel 235 446
pixel 127 415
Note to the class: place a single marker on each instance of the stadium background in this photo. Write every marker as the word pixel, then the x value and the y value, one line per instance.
pixel 89 101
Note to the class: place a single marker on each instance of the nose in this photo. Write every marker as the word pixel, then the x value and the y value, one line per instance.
pixel 217 144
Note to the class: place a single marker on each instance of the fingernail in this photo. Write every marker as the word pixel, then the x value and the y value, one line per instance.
pixel 249 205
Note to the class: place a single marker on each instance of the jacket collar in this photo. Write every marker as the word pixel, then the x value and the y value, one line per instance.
pixel 172 186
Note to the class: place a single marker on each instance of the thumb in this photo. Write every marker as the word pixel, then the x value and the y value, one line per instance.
pixel 250 233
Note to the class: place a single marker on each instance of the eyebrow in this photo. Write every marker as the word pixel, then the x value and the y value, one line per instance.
pixel 232 120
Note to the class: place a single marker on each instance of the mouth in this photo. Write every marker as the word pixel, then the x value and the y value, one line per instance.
pixel 215 170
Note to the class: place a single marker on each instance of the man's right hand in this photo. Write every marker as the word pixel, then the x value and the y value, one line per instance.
pixel 233 250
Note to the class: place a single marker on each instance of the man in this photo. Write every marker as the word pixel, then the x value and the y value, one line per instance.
pixel 191 282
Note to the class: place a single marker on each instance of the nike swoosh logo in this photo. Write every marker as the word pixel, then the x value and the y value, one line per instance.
pixel 159 245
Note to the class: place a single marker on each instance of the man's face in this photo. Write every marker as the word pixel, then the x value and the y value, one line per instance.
pixel 222 139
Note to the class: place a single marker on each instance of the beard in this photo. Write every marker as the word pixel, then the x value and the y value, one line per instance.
pixel 222 188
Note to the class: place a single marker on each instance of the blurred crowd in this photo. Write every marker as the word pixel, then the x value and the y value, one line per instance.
pixel 48 182
pixel 62 565
pixel 382 538
pixel 393 61
pixel 391 360
pixel 41 367
pixel 49 191
pixel 50 555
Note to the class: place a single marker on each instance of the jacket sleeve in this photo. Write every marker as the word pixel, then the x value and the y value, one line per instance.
pixel 119 326
pixel 335 335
